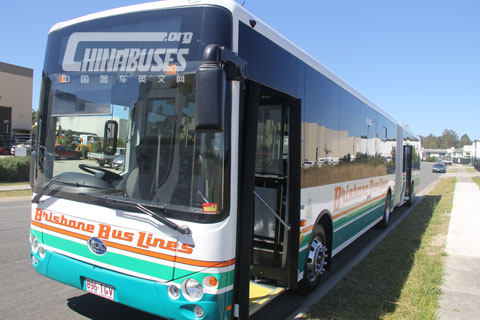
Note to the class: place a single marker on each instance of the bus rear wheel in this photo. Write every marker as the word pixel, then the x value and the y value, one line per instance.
pixel 412 194
pixel 315 261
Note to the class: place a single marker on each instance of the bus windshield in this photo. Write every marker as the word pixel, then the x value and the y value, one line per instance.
pixel 118 106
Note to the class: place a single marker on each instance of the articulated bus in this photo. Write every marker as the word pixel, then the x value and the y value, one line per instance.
pixel 248 165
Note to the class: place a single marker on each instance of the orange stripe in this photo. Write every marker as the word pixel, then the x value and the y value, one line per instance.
pixel 307 228
pixel 357 206
pixel 62 231
pixel 35 223
pixel 196 263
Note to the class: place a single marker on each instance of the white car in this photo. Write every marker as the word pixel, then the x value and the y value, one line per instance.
pixel 308 164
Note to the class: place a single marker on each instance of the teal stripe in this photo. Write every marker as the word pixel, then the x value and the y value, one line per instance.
pixel 114 259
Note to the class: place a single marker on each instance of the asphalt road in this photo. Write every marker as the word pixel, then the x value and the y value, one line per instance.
pixel 25 294
pixel 427 176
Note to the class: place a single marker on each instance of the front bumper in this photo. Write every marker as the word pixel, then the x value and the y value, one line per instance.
pixel 146 295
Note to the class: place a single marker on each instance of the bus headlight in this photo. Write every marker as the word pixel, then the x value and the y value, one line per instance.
pixel 192 289
pixel 41 252
pixel 34 244
pixel 198 312
pixel 173 292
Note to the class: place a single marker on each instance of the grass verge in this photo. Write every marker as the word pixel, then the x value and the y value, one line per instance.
pixel 452 170
pixel 15 193
pixel 476 180
pixel 6 184
pixel 401 277
pixel 471 170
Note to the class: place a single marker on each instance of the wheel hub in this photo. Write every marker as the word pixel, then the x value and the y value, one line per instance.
pixel 316 260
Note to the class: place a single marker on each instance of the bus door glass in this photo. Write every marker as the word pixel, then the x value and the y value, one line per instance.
pixel 407 167
pixel 272 213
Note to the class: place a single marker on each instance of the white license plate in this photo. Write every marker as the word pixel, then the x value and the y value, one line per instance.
pixel 100 289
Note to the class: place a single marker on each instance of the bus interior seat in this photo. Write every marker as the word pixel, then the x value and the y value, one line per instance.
pixel 140 180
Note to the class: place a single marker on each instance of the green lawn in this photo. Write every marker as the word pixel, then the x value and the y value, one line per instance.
pixel 15 193
pixel 476 180
pixel 401 277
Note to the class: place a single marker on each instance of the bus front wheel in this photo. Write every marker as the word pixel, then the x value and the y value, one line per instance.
pixel 387 211
pixel 315 261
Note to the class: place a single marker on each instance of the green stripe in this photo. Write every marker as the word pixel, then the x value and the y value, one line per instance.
pixel 342 221
pixel 133 264
pixel 355 227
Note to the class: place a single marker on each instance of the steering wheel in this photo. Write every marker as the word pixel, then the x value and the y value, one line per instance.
pixel 109 175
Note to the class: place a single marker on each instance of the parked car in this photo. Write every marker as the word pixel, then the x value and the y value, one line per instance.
pixel 119 162
pixel 448 162
pixel 62 152
pixel 22 149
pixel 439 167
pixel 103 159
pixel 308 164
pixel 4 151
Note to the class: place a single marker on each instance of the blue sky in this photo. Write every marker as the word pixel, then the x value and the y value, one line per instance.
pixel 417 60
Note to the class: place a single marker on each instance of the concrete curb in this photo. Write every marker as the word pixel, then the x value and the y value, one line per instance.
pixel 15 187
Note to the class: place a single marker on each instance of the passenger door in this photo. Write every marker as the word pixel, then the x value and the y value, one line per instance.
pixel 277 188
pixel 269 191
pixel 407 169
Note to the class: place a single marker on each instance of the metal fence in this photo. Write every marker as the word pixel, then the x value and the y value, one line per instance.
pixel 10 141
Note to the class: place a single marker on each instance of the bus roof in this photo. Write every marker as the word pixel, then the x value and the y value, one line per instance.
pixel 243 15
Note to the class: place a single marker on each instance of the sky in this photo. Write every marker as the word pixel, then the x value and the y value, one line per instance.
pixel 418 60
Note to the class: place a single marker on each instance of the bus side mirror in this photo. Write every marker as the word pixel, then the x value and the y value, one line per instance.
pixel 110 135
pixel 210 90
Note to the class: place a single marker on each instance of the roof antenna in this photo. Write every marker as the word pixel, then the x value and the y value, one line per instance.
pixel 243 3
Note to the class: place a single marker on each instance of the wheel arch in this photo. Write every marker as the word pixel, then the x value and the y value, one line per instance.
pixel 325 220
pixel 389 193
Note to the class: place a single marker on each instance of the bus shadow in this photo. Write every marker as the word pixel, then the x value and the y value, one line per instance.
pixel 93 307
pixel 372 289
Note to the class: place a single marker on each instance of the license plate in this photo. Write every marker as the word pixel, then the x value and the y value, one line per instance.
pixel 100 289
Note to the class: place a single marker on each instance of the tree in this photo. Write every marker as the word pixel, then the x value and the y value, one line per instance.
pixel 59 135
pixel 464 141
pixel 448 139
pixel 431 142
pixel 121 142
pixel 34 116
pixel 69 139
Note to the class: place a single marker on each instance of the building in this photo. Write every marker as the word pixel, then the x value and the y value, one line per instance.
pixel 469 154
pixel 92 125
pixel 476 154
pixel 440 154
pixel 16 85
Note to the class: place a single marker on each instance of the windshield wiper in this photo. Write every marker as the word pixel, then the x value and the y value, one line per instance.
pixel 172 225
pixel 76 184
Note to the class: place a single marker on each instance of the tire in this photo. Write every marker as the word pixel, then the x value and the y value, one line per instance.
pixel 387 212
pixel 314 267
pixel 412 194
